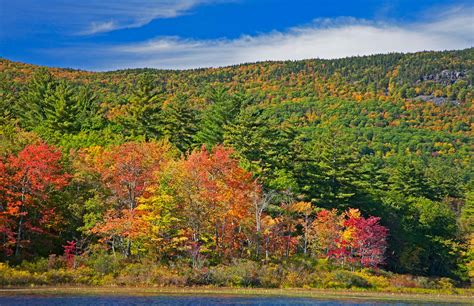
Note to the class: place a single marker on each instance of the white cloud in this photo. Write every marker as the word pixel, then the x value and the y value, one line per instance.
pixel 132 13
pixel 88 17
pixel 98 27
pixel 327 38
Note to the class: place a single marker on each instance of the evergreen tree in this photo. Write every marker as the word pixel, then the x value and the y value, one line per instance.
pixel 89 114
pixel 407 176
pixel 142 113
pixel 179 119
pixel 33 108
pixel 264 146
pixel 222 110
pixel 61 110
pixel 337 176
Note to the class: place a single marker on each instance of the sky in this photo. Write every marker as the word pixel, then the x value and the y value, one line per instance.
pixel 181 34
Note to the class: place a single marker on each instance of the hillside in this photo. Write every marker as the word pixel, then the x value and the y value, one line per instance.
pixel 121 165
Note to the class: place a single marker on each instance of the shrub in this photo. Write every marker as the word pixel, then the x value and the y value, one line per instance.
pixel 425 282
pixel 346 279
pixel 14 277
pixel 55 262
pixel 198 277
pixel 402 281
pixel 445 283
pixel 271 275
pixel 60 277
pixel 375 281
pixel 102 263
pixel 134 274
pixel 87 276
pixel 40 265
pixel 297 274
pixel 164 276
pixel 242 273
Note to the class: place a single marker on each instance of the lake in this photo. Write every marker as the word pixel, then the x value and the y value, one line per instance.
pixel 180 300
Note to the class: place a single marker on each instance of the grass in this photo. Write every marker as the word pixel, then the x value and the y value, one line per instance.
pixel 466 297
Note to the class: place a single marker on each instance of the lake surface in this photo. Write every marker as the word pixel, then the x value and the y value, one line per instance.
pixel 179 300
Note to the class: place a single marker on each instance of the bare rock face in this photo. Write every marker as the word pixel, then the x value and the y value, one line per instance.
pixel 436 100
pixel 445 77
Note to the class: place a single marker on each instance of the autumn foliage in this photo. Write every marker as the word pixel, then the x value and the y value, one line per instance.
pixel 203 206
pixel 27 180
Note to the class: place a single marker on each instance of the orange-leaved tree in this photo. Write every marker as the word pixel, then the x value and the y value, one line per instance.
pixel 125 171
pixel 214 199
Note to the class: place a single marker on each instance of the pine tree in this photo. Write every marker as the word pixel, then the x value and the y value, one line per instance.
pixel 143 110
pixel 337 176
pixel 89 114
pixel 179 119
pixel 32 108
pixel 61 110
pixel 221 112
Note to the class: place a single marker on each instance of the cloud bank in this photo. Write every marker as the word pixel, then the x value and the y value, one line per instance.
pixel 327 38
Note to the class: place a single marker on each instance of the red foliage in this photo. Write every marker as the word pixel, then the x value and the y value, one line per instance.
pixel 27 180
pixel 226 189
pixel 369 243
pixel 350 238
pixel 126 170
pixel 70 253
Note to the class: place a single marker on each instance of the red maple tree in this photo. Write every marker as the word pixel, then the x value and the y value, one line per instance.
pixel 27 179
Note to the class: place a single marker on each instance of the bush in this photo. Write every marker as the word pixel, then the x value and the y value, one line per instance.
pixel 87 276
pixel 102 263
pixel 271 275
pixel 297 274
pixel 403 281
pixel 60 277
pixel 198 277
pixel 40 265
pixel 445 283
pixel 163 276
pixel 102 269
pixel 242 273
pixel 14 277
pixel 375 281
pixel 134 274
pixel 346 279
pixel 55 262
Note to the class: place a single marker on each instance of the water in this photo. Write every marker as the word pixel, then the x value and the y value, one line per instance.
pixel 179 300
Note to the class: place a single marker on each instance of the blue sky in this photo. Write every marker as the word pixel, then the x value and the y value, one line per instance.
pixel 180 34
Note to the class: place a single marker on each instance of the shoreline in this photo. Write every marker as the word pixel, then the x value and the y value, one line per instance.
pixel 323 294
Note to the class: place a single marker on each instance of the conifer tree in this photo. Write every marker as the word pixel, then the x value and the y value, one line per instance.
pixel 179 119
pixel 221 112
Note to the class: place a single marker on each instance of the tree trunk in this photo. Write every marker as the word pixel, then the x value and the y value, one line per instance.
pixel 267 241
pixel 20 223
pixel 18 237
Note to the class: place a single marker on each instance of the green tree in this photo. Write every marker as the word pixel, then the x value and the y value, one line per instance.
pixel 179 119
pixel 142 112
pixel 221 111
pixel 61 110
pixel 337 177
pixel 32 107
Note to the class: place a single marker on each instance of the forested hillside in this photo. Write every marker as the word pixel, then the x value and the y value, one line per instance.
pixel 361 162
